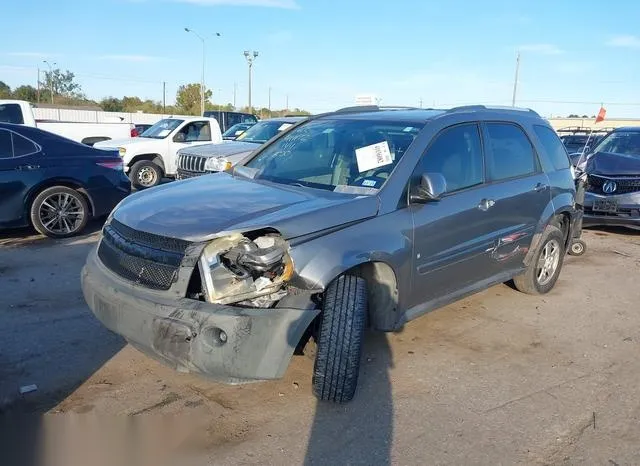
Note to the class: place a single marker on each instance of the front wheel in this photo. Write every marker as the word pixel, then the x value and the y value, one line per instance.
pixel 543 271
pixel 59 212
pixel 335 373
pixel 145 174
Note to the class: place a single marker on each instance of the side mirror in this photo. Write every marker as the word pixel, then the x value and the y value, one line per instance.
pixel 180 137
pixel 431 188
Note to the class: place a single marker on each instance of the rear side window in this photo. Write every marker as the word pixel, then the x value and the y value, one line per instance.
pixel 22 146
pixel 553 147
pixel 6 147
pixel 249 119
pixel 11 113
pixel 456 153
pixel 511 154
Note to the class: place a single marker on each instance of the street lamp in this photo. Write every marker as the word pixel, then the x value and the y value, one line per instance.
pixel 202 39
pixel 50 77
pixel 250 56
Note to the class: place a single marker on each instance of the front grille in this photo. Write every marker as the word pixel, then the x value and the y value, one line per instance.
pixel 623 185
pixel 185 174
pixel 191 163
pixel 142 258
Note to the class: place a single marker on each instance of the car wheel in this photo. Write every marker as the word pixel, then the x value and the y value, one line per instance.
pixel 543 271
pixel 335 372
pixel 578 247
pixel 59 212
pixel 145 174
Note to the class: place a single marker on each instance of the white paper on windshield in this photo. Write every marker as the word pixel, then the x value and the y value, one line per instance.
pixel 164 132
pixel 284 126
pixel 373 156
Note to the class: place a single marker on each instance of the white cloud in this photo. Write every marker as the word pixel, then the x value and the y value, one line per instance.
pixel 628 41
pixel 30 54
pixel 287 4
pixel 544 49
pixel 130 58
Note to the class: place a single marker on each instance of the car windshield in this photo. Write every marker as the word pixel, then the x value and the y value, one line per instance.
pixel 263 131
pixel 335 154
pixel 162 129
pixel 236 128
pixel 621 142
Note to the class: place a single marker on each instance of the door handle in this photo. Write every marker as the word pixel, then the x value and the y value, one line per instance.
pixel 486 204
pixel 540 187
pixel 28 167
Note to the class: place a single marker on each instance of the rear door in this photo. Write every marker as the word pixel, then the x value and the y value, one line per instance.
pixel 452 235
pixel 517 193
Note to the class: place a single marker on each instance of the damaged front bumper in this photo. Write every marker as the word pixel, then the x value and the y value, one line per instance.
pixel 226 343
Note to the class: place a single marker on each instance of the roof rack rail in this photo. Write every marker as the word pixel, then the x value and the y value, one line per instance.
pixel 464 108
pixel 373 108
pixel 584 129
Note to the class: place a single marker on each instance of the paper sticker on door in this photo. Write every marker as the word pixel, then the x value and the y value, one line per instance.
pixel 373 156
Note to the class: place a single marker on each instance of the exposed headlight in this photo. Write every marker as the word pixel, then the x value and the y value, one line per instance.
pixel 236 269
pixel 122 151
pixel 217 164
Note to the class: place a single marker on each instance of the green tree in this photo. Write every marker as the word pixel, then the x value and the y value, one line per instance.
pixel 188 99
pixel 25 92
pixel 5 90
pixel 61 84
pixel 111 104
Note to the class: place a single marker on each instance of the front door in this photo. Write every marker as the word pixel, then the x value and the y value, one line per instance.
pixel 452 235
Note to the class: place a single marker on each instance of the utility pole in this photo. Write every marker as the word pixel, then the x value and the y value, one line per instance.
pixel 38 84
pixel 202 90
pixel 235 89
pixel 515 81
pixel 420 102
pixel 164 96
pixel 269 100
pixel 287 101
pixel 250 56
pixel 50 77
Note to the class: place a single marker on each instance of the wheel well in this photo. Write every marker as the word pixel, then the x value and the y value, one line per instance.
pixel 563 222
pixel 155 158
pixel 67 183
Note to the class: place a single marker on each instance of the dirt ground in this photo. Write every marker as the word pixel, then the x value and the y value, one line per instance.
pixel 499 378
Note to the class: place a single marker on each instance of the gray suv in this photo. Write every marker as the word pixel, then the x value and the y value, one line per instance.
pixel 361 217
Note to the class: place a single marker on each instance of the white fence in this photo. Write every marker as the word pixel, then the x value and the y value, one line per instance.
pixel 93 116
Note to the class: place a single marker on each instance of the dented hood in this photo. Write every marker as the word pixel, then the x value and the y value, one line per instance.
pixel 201 208
pixel 608 164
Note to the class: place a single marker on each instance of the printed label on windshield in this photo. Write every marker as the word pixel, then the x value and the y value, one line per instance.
pixel 164 133
pixel 373 156
pixel 284 126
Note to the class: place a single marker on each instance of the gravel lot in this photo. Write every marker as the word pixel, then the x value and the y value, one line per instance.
pixel 499 378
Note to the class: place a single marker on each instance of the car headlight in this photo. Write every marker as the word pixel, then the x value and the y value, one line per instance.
pixel 236 269
pixel 122 151
pixel 217 164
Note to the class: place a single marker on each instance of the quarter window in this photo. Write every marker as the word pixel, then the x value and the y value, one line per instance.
pixel 6 148
pixel 456 153
pixel 553 146
pixel 22 146
pixel 511 155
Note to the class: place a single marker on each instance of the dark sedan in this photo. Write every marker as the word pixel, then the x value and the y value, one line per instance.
pixel 54 183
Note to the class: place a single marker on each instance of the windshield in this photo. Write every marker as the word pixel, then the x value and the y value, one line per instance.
pixel 237 128
pixel 263 131
pixel 162 129
pixel 621 142
pixel 334 154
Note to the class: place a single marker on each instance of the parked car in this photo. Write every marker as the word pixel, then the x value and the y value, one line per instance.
pixel 613 180
pixel 55 184
pixel 236 130
pixel 152 156
pixel 227 119
pixel 210 158
pixel 349 218
pixel 580 139
pixel 20 112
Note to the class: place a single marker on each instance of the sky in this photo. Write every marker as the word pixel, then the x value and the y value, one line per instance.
pixel 322 53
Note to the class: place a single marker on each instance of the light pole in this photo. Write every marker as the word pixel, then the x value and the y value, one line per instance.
pixel 250 56
pixel 202 39
pixel 50 77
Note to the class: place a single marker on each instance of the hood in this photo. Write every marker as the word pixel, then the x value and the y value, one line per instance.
pixel 223 149
pixel 125 142
pixel 201 208
pixel 608 164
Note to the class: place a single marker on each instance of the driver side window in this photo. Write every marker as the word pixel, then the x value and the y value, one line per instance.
pixel 196 131
pixel 455 153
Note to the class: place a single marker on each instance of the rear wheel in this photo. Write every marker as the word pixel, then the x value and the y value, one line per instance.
pixel 543 271
pixel 59 212
pixel 145 174
pixel 335 373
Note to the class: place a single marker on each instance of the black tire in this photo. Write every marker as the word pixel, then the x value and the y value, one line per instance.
pixel 145 174
pixel 577 248
pixel 530 281
pixel 335 372
pixel 73 216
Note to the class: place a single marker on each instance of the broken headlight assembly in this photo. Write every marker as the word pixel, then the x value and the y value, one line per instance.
pixel 251 272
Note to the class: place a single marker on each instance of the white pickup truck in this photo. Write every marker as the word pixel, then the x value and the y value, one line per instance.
pixel 153 155
pixel 20 112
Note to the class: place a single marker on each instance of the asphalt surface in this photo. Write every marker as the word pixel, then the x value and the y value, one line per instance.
pixel 499 378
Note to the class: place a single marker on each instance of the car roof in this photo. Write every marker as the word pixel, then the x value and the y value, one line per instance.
pixel 630 129
pixel 285 119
